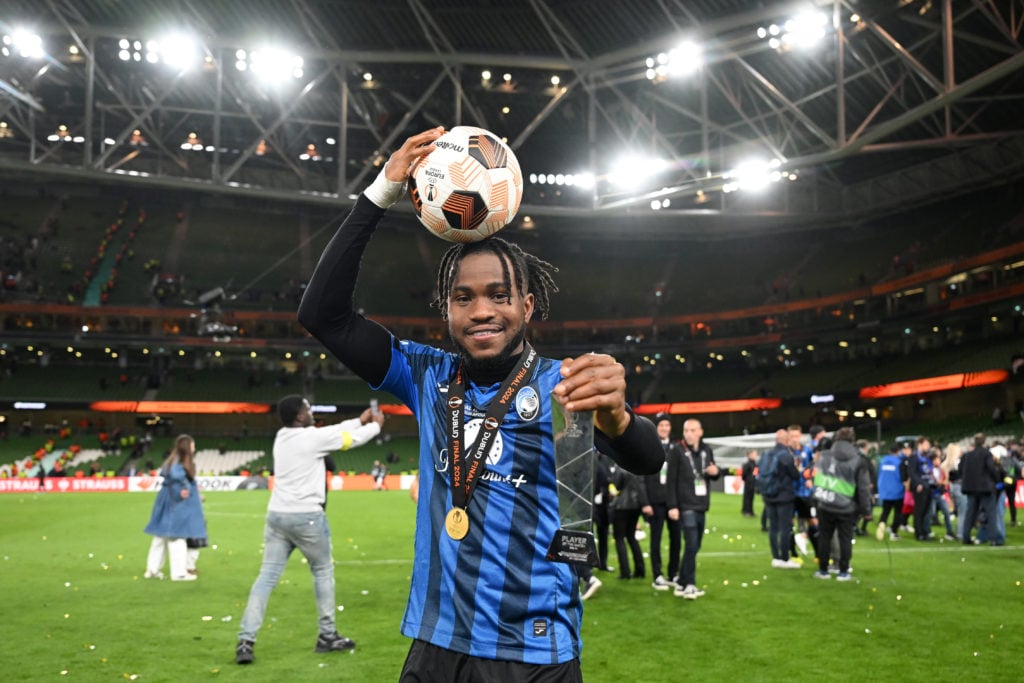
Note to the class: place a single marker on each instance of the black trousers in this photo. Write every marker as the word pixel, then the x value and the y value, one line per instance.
pixel 829 522
pixel 624 530
pixel 922 521
pixel 896 506
pixel 602 524
pixel 659 520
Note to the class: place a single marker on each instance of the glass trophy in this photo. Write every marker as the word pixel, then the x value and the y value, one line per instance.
pixel 574 472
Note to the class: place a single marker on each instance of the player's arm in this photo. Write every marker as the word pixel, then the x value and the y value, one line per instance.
pixel 598 382
pixel 326 309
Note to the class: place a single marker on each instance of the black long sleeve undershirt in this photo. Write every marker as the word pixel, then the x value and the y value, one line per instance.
pixel 326 308
pixel 364 346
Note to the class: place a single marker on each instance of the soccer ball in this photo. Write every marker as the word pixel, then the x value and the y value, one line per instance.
pixel 469 187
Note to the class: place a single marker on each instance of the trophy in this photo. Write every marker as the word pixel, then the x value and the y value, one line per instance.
pixel 574 472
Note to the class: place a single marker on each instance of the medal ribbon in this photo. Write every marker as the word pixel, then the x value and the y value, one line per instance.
pixel 467 468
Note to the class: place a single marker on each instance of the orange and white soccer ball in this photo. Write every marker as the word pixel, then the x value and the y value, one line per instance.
pixel 469 187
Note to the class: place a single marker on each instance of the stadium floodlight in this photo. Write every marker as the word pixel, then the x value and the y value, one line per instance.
pixel 803 31
pixel 754 174
pixel 630 171
pixel 273 65
pixel 23 44
pixel 682 60
pixel 178 51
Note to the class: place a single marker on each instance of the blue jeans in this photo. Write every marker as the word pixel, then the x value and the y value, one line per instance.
pixel 780 528
pixel 978 502
pixel 693 535
pixel 939 505
pixel 283 533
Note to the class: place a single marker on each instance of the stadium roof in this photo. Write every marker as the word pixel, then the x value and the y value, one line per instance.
pixel 899 103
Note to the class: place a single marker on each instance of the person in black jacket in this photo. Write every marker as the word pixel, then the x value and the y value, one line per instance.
pixel 655 509
pixel 749 483
pixel 602 515
pixel 842 492
pixel 921 484
pixel 779 504
pixel 978 482
pixel 625 515
pixel 690 470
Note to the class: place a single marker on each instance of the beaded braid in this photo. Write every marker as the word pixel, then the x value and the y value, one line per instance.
pixel 535 273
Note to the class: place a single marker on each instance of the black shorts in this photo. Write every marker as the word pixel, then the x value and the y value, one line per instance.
pixel 428 663
pixel 804 507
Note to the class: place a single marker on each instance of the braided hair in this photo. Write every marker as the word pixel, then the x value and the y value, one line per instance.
pixel 532 275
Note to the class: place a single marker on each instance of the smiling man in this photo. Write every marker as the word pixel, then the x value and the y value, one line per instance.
pixel 485 602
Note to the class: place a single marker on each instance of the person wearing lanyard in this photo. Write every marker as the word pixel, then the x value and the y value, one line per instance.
pixel 689 473
pixel 485 601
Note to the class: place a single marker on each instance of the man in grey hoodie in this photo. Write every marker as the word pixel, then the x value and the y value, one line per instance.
pixel 842 491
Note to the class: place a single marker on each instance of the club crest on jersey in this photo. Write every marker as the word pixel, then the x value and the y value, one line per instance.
pixel 527 404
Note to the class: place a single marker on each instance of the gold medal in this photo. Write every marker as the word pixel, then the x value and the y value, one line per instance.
pixel 456 523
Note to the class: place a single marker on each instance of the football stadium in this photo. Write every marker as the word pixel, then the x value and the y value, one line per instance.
pixel 336 276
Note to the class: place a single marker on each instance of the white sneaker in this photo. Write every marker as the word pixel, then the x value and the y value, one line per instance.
pixel 802 543
pixel 591 588
pixel 661 583
pixel 187 577
pixel 691 592
pixel 778 564
pixel 789 564
pixel 153 575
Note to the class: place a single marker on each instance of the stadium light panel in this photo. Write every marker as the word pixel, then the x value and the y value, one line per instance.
pixel 273 65
pixel 179 51
pixel 631 171
pixel 25 44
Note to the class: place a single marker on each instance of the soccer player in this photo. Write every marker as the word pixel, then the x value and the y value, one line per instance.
pixel 485 602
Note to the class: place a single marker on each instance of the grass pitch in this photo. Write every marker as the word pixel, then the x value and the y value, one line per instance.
pixel 75 605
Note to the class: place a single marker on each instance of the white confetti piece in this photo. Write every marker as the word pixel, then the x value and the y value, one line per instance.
pixel 64 672
pixel 867 630
pixel 214 546
pixel 365 592
pixel 322 665
pixel 341 608
pixel 67 616
pixel 739 537
pixel 725 582
pixel 743 585
pixel 898 598
pixel 90 556
pixel 67 584
pixel 756 582
pixel 207 617
pixel 226 619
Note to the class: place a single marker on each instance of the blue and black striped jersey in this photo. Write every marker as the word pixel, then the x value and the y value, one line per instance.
pixel 493 594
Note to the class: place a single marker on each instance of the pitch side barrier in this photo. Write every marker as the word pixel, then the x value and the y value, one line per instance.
pixel 150 484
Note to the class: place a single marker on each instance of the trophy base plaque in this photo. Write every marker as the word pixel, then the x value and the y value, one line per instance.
pixel 575 547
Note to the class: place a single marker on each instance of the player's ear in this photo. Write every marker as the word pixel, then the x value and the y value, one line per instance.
pixel 528 303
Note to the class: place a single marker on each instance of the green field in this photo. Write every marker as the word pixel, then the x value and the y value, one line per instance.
pixel 75 605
